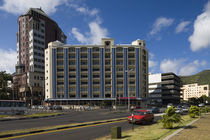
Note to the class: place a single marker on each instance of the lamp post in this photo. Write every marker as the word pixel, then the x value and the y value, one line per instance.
pixel 43 92
pixel 42 99
pixel 31 88
pixel 128 72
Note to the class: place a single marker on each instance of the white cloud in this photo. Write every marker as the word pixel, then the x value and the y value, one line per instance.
pixel 9 60
pixel 168 65
pixel 94 36
pixel 201 35
pixel 192 67
pixel 152 63
pixel 151 55
pixel 203 63
pixel 182 26
pixel 84 10
pixel 21 6
pixel 180 67
pixel 160 23
pixel 87 11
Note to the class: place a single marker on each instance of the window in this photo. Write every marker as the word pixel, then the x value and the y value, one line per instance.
pixel 107 50
pixel 59 56
pixel 72 89
pixel 96 82
pixel 107 43
pixel 84 89
pixel 107 89
pixel 84 76
pixel 107 56
pixel 60 63
pixel 84 83
pixel 60 83
pixel 95 89
pixel 95 76
pixel 71 56
pixel 72 76
pixel 83 62
pixel 72 63
pixel 60 69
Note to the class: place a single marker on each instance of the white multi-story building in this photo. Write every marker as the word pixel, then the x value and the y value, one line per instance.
pixel 194 91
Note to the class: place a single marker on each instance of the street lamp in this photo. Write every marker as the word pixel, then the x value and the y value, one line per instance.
pixel 31 88
pixel 43 92
pixel 128 72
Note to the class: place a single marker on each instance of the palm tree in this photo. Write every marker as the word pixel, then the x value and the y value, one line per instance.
pixel 194 111
pixel 170 117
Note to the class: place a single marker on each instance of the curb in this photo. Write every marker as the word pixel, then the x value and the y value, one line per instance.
pixel 179 130
pixel 59 128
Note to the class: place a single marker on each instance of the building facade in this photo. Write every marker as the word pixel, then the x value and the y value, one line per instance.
pixel 35 31
pixel 194 91
pixel 103 72
pixel 164 89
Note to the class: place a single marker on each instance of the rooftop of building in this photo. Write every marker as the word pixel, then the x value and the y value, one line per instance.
pixel 137 42
pixel 195 84
pixel 38 10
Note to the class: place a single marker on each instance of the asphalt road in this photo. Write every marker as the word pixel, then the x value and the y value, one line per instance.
pixel 81 133
pixel 71 117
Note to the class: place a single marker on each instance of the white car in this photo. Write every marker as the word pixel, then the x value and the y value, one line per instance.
pixel 201 105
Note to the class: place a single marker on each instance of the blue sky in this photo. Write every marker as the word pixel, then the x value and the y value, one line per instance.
pixel 177 32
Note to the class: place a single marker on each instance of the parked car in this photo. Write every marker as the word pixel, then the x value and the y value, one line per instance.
pixel 56 107
pixel 179 110
pixel 141 117
pixel 169 105
pixel 185 108
pixel 155 109
pixel 201 105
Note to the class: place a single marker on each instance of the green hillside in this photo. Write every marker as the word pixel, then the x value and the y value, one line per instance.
pixel 200 78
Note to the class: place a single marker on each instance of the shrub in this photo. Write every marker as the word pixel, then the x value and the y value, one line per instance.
pixel 193 111
pixel 170 117
pixel 204 109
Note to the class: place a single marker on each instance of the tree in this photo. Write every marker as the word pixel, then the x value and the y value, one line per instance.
pixel 170 117
pixel 193 111
pixel 193 101
pixel 203 99
pixel 4 77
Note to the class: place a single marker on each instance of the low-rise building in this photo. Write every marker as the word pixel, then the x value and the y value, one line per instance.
pixel 164 89
pixel 194 91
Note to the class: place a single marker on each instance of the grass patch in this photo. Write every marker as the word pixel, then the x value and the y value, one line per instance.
pixel 150 132
pixel 31 129
pixel 3 116
pixel 43 114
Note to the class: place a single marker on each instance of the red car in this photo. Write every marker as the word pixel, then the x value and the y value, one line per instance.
pixel 141 116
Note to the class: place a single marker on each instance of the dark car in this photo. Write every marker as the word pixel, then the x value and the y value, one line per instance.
pixel 141 117
pixel 155 109
pixel 57 107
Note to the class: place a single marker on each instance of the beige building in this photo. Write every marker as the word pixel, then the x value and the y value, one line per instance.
pixel 96 72
pixel 194 90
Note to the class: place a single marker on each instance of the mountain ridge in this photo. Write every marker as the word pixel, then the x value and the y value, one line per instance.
pixel 202 78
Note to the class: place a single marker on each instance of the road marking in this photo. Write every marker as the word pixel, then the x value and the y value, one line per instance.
pixel 53 131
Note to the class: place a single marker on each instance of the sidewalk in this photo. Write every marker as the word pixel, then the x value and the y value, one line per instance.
pixel 200 130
